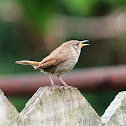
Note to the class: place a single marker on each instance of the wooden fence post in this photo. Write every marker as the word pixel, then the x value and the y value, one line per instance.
pixel 54 107
pixel 115 114
pixel 9 116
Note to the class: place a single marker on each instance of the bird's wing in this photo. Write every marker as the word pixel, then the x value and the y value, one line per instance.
pixel 53 59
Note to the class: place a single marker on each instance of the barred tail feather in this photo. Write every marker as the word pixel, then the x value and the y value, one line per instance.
pixel 26 62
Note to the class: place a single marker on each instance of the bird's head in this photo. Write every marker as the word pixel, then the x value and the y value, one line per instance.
pixel 78 44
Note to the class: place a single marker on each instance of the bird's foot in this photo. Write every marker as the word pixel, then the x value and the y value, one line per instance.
pixel 56 87
pixel 69 87
pixel 65 85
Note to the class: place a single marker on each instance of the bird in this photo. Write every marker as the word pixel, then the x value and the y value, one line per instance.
pixel 60 61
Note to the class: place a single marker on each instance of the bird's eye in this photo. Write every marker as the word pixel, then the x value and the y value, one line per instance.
pixel 77 44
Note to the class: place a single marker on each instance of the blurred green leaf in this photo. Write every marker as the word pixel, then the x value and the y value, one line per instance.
pixel 38 12
pixel 80 7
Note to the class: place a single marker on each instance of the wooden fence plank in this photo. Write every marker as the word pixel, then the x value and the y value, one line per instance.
pixel 8 113
pixel 54 107
pixel 115 114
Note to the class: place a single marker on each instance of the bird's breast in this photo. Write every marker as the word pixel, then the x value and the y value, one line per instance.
pixel 65 66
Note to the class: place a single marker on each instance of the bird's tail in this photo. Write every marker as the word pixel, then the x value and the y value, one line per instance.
pixel 26 62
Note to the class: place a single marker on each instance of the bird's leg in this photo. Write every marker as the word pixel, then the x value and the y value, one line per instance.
pixel 53 85
pixel 65 85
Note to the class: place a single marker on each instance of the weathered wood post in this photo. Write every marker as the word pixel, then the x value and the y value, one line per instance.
pixel 54 107
pixel 9 116
pixel 115 114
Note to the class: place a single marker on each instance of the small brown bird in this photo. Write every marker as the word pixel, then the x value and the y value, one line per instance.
pixel 60 61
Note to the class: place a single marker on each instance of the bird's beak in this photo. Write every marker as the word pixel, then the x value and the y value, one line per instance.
pixel 84 43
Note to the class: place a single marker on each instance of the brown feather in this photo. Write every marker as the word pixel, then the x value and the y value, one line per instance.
pixel 26 62
pixel 47 62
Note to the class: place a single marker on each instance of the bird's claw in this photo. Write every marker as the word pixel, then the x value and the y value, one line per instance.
pixel 68 87
pixel 56 87
pixel 60 87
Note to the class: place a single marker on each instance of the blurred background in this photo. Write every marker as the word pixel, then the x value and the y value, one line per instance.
pixel 32 29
